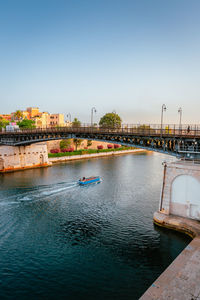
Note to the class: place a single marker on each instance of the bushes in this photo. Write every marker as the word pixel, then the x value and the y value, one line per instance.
pixel 109 146
pixel 70 149
pixel 54 150
pixel 116 146
pixel 99 147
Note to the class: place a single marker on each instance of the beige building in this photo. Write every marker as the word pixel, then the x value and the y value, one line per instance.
pixel 41 121
pixel 56 120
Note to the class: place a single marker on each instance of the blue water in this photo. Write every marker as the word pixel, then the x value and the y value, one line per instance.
pixel 62 241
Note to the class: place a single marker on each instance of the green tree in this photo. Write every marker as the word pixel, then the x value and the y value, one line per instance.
pixel 26 124
pixel 76 123
pixel 77 142
pixel 65 144
pixel 3 123
pixel 110 120
pixel 89 143
pixel 18 114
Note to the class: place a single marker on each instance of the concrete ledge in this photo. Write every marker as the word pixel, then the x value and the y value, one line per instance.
pixel 181 279
pixel 188 226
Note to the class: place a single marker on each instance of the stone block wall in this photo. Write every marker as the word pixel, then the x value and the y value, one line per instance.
pixel 181 189
pixel 23 157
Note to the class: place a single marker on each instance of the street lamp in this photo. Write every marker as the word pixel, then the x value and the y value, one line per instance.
pixel 163 109
pixel 93 110
pixel 180 112
pixel 69 116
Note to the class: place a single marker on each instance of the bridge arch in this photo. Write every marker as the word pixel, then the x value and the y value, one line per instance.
pixel 185 196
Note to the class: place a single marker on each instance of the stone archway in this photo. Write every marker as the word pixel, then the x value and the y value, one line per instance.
pixel 1 164
pixel 185 197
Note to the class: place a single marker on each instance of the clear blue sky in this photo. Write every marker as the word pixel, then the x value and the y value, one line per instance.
pixel 123 55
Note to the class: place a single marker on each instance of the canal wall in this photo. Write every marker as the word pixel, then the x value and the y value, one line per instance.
pixel 61 159
pixel 179 209
pixel 23 157
pixel 181 279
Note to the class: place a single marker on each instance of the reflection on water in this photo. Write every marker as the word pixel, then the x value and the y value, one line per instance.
pixel 62 241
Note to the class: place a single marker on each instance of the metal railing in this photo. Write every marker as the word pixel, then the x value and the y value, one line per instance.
pixel 170 130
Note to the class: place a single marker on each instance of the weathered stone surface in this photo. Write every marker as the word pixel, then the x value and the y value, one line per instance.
pixel 23 157
pixel 181 189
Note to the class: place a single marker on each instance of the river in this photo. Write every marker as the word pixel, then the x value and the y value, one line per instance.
pixel 62 241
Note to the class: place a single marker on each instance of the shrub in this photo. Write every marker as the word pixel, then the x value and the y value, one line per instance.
pixel 109 146
pixel 55 150
pixel 70 149
pixel 86 148
pixel 116 146
pixel 64 144
pixel 63 150
pixel 99 147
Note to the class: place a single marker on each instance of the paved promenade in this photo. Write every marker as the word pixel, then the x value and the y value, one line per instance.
pixel 181 280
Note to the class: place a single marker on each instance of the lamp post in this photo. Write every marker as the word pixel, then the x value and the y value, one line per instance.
pixel 93 110
pixel 69 116
pixel 180 112
pixel 163 109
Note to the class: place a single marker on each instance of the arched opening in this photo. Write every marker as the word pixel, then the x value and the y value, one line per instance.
pixel 41 159
pixel 1 164
pixel 185 197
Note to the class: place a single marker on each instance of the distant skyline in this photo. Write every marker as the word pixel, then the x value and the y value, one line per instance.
pixel 123 55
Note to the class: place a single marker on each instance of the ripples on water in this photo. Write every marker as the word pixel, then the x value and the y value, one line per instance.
pixel 62 241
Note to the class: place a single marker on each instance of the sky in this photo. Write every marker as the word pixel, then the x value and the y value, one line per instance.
pixel 127 56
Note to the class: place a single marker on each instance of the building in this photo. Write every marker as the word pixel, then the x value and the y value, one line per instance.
pixel 33 111
pixel 56 120
pixel 6 117
pixel 41 121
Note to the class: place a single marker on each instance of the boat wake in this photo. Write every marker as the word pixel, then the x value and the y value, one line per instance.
pixel 37 193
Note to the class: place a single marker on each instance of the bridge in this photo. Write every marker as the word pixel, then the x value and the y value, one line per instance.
pixel 179 201
pixel 176 140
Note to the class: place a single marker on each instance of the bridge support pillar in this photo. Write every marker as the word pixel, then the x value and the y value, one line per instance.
pixel 13 158
pixel 180 193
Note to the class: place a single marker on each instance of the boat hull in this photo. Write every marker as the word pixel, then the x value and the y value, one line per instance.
pixel 89 181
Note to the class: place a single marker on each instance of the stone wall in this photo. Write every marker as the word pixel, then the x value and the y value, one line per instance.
pixel 56 144
pixel 23 157
pixel 181 190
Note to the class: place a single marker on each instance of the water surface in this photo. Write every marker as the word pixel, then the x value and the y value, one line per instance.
pixel 62 241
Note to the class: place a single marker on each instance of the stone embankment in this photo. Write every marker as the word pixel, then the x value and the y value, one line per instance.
pixel 93 155
pixel 181 279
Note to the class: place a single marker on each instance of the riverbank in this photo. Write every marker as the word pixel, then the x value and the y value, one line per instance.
pixel 61 159
pixel 180 280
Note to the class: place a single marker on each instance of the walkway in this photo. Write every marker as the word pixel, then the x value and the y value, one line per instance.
pixel 181 280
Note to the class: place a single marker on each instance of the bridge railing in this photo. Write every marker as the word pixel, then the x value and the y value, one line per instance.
pixel 133 129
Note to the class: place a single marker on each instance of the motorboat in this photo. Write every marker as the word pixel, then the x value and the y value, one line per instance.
pixel 88 180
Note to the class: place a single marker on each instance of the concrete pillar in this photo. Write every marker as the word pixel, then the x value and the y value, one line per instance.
pixel 180 193
pixel 14 158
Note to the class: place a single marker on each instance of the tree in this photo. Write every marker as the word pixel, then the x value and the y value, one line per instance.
pixel 26 124
pixel 77 142
pixel 64 144
pixel 3 123
pixel 110 120
pixel 89 143
pixel 76 123
pixel 18 114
